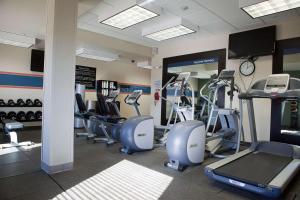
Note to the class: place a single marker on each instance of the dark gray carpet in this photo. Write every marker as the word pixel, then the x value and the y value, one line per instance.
pixel 21 177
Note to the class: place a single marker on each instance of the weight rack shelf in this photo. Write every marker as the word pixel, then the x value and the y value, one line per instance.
pixel 21 106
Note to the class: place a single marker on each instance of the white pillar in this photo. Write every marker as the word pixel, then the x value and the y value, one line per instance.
pixel 59 84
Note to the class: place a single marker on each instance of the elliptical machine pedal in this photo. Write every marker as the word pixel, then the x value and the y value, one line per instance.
pixel 175 165
pixel 125 151
pixel 110 142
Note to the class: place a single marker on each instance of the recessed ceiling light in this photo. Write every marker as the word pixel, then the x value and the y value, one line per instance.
pixel 169 33
pixel 129 17
pixel 263 7
pixel 16 40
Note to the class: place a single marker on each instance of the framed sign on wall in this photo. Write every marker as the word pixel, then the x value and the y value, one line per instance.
pixel 86 76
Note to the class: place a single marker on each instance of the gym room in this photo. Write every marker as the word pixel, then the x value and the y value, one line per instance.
pixel 149 99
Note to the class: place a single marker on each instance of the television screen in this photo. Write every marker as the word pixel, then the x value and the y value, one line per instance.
pixel 37 60
pixel 258 42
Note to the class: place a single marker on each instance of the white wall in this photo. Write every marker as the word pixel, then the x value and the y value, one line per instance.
pixel 122 72
pixel 17 60
pixel 187 45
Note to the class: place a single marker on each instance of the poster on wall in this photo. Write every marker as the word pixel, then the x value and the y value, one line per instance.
pixel 86 76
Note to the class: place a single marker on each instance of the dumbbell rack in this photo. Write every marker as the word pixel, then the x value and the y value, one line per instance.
pixel 16 108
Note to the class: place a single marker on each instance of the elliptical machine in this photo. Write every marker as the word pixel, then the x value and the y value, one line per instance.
pixel 228 136
pixel 132 100
pixel 182 109
pixel 187 141
pixel 138 133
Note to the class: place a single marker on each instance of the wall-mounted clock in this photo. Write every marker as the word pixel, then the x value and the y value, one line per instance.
pixel 247 68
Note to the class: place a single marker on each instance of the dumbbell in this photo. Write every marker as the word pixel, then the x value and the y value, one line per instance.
pixel 11 103
pixel 2 102
pixel 38 115
pixel 30 116
pixel 37 102
pixel 29 102
pixel 11 115
pixel 21 116
pixel 21 102
pixel 2 116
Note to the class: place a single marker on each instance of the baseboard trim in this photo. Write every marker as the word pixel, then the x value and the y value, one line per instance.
pixel 57 168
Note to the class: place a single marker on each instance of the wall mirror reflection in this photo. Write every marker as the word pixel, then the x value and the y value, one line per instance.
pixel 200 73
pixel 290 110
pixel 200 67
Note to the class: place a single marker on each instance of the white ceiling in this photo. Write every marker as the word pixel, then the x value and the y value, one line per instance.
pixel 211 16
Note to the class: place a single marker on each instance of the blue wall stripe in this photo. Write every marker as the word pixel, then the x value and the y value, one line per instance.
pixel 130 88
pixel 16 80
pixel 19 80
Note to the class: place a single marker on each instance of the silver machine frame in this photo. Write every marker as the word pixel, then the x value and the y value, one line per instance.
pixel 231 132
pixel 277 185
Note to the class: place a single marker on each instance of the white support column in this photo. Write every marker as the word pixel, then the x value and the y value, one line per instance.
pixel 59 84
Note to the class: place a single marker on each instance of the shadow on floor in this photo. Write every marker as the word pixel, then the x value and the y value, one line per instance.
pixel 22 178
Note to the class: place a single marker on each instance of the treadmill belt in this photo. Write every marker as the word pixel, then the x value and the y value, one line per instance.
pixel 255 168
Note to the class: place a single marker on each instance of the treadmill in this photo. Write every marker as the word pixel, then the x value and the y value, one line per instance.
pixel 266 167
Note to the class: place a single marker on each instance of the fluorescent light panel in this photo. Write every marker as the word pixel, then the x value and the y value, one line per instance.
pixel 97 55
pixel 129 17
pixel 169 33
pixel 144 64
pixel 16 40
pixel 270 7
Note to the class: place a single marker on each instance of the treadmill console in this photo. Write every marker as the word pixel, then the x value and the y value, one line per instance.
pixel 227 74
pixel 277 83
pixel 132 98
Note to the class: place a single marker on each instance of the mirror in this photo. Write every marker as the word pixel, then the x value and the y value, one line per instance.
pixel 290 110
pixel 201 71
pixel 201 65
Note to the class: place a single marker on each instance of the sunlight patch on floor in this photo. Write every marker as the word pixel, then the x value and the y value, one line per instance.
pixel 4 151
pixel 125 180
pixel 8 150
pixel 34 145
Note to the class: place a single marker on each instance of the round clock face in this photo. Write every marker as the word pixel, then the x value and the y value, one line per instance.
pixel 247 68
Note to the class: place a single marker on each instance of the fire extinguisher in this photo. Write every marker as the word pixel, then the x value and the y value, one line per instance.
pixel 156 97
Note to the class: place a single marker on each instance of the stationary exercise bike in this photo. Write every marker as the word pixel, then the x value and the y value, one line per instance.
pixel 132 100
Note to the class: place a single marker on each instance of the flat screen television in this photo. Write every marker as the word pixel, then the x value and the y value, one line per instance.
pixel 258 42
pixel 37 60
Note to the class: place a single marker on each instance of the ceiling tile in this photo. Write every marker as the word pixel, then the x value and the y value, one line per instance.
pixel 218 27
pixel 229 12
pixel 282 16
pixel 202 18
pixel 180 7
